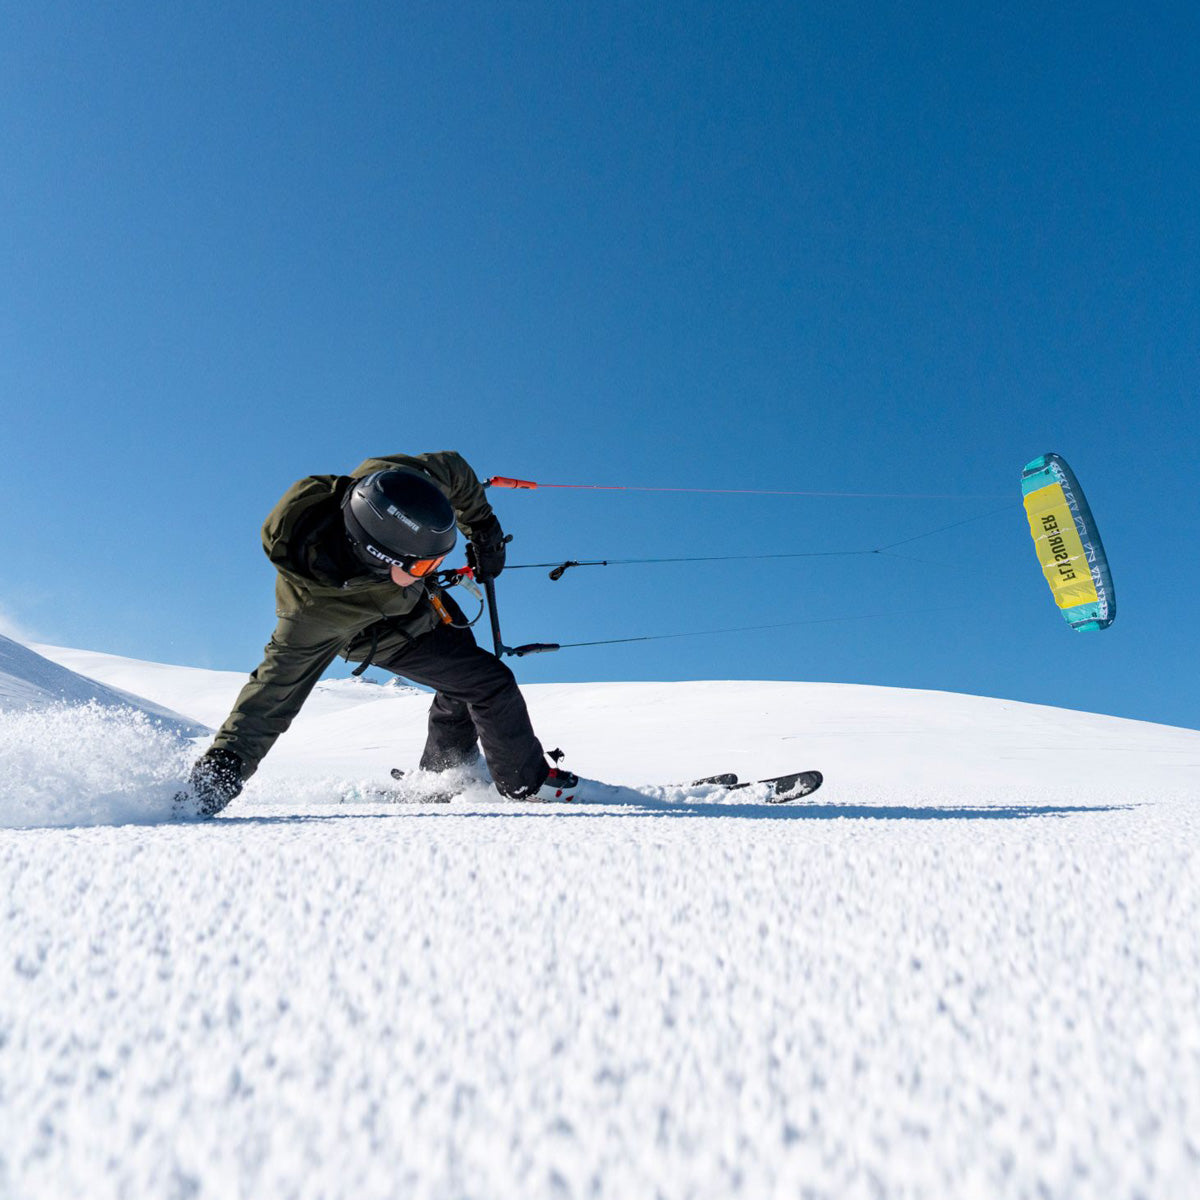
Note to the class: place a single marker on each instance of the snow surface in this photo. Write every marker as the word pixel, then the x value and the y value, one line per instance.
pixel 968 966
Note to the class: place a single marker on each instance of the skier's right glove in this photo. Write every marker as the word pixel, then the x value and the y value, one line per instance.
pixel 486 552
pixel 216 779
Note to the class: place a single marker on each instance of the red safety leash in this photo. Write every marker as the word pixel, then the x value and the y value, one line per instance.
pixel 505 481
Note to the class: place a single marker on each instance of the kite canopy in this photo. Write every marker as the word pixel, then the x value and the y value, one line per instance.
pixel 1068 544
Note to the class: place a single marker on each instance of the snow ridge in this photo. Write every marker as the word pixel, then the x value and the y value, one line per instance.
pixel 28 679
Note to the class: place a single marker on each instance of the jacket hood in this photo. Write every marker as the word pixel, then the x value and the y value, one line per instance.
pixel 305 534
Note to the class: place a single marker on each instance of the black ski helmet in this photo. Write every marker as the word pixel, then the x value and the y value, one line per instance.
pixel 397 517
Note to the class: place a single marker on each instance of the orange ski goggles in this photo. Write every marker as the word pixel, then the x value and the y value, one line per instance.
pixel 418 568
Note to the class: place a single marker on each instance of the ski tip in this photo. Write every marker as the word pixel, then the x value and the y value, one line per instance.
pixel 795 787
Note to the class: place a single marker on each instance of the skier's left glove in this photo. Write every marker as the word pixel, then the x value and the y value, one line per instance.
pixel 486 550
pixel 216 779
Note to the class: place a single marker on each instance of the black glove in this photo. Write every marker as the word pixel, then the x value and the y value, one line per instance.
pixel 216 779
pixel 486 550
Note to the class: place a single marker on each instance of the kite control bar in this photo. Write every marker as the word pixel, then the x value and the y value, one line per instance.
pixel 466 575
pixel 498 642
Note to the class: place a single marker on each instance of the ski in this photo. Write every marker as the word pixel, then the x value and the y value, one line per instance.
pixel 792 787
pixel 401 796
pixel 382 793
pixel 784 788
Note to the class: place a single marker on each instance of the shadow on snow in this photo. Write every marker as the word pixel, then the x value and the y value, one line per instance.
pixel 636 805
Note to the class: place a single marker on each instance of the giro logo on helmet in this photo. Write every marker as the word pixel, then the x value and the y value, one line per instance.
pixel 377 553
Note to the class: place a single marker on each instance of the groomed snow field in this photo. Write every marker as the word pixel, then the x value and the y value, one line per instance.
pixel 968 967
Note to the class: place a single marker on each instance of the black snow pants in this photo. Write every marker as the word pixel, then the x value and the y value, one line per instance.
pixel 477 702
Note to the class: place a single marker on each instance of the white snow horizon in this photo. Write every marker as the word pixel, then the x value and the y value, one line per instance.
pixel 968 966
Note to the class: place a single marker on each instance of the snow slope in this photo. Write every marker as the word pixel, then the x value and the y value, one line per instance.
pixel 29 679
pixel 970 966
pixel 206 696
pixel 869 740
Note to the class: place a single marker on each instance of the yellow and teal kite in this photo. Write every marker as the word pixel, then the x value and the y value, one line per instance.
pixel 1068 544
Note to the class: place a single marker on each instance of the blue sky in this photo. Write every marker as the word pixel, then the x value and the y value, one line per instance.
pixel 899 249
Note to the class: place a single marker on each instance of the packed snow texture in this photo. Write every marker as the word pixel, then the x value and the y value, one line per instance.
pixel 968 967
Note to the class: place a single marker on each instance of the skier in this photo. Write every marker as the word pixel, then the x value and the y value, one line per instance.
pixel 354 555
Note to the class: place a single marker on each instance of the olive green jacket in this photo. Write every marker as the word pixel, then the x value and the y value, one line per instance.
pixel 321 612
